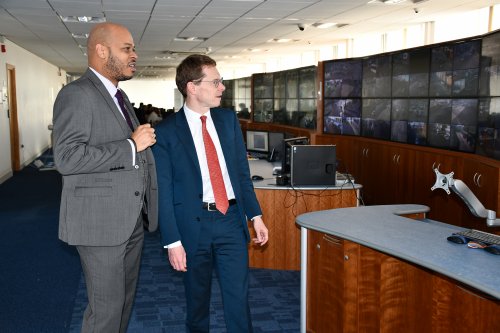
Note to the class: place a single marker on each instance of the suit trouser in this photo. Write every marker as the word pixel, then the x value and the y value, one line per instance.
pixel 222 246
pixel 111 274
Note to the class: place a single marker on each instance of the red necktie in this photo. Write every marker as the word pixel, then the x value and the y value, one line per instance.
pixel 221 201
pixel 119 97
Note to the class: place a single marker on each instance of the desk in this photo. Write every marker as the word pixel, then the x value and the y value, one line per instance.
pixel 280 206
pixel 368 269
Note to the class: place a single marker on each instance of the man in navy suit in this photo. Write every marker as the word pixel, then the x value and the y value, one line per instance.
pixel 200 235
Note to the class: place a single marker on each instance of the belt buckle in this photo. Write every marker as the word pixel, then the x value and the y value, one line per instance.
pixel 209 207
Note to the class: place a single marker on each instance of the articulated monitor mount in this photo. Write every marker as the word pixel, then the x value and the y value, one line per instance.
pixel 463 191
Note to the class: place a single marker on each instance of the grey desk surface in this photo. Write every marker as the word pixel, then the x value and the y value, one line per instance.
pixel 264 169
pixel 422 242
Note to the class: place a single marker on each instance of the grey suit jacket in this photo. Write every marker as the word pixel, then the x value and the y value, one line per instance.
pixel 103 191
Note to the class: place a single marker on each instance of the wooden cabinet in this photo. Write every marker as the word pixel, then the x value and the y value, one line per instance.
pixel 352 288
pixel 397 175
pixel 325 291
pixel 368 170
pixel 393 173
pixel 482 179
pixel 280 207
pixel 444 207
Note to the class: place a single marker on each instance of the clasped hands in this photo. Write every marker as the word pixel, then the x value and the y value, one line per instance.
pixel 144 136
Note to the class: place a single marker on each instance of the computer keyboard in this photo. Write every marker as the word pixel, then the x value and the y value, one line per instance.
pixel 480 236
pixel 257 155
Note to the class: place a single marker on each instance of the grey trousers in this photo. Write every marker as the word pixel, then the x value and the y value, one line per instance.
pixel 111 274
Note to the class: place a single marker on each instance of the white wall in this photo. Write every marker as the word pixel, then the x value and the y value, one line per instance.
pixel 37 85
pixel 159 93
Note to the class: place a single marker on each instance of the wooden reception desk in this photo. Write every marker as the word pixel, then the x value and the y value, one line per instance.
pixel 280 206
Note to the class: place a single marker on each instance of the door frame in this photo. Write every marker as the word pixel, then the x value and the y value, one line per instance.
pixel 15 149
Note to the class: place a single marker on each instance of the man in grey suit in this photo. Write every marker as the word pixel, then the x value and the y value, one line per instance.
pixel 109 180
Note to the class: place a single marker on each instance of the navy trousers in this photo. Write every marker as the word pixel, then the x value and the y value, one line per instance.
pixel 222 246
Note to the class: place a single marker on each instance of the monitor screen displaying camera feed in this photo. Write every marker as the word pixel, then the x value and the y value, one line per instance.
pixel 343 78
pixel 342 116
pixel 376 118
pixel 377 77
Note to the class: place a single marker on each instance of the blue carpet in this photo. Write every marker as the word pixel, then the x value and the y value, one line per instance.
pixel 160 303
pixel 41 282
pixel 39 274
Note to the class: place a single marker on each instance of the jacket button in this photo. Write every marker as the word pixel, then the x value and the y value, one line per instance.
pixel 137 193
pixel 136 166
pixel 198 219
pixel 200 195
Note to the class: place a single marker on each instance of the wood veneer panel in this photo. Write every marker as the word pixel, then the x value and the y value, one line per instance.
pixel 280 209
pixel 460 310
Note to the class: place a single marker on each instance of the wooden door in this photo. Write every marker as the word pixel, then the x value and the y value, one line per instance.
pixel 14 127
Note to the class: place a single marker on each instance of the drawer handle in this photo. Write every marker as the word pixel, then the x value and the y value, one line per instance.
pixel 332 239
pixel 478 180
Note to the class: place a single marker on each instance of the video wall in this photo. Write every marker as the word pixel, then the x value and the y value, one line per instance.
pixel 286 97
pixel 445 96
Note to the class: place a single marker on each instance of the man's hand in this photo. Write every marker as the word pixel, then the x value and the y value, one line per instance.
pixel 261 231
pixel 177 258
pixel 144 136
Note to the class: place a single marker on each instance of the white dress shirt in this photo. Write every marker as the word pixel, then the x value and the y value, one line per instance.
pixel 194 122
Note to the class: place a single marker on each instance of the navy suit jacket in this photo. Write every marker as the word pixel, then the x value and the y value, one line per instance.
pixel 179 176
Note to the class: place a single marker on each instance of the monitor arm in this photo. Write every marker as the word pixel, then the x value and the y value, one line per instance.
pixel 446 182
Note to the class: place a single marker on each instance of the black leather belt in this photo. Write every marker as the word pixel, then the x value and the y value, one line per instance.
pixel 210 206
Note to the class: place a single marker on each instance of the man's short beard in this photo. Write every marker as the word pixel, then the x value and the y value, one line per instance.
pixel 114 70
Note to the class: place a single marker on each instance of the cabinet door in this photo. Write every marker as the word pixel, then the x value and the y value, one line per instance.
pixel 482 180
pixel 325 287
pixel 369 170
pixel 402 177
pixel 443 207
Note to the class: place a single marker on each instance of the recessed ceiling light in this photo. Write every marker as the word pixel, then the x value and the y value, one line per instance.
pixel 190 39
pixel 80 36
pixel 279 40
pixel 324 25
pixel 83 19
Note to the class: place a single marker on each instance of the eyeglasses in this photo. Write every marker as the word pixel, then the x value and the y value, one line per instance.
pixel 215 82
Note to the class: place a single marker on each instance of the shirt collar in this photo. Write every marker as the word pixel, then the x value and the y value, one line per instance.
pixel 110 87
pixel 192 116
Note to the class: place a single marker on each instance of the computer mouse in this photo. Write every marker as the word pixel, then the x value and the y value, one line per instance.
pixel 257 177
pixel 459 239
pixel 495 249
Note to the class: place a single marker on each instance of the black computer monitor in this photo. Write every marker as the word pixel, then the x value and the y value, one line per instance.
pixel 257 141
pixel 276 146
pixel 313 165
pixel 286 149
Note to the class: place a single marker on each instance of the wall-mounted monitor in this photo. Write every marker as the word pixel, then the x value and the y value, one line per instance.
pixel 376 118
pixel 377 76
pixel 343 78
pixel 313 165
pixel 342 116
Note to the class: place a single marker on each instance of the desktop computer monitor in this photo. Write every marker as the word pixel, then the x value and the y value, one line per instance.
pixel 286 152
pixel 313 165
pixel 276 146
pixel 257 141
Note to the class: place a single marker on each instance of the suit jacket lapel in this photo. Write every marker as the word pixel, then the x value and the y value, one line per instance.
pixel 184 135
pixel 109 100
pixel 224 139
